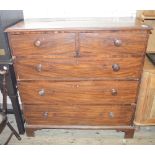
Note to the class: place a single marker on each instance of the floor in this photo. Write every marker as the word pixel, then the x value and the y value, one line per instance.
pixel 145 135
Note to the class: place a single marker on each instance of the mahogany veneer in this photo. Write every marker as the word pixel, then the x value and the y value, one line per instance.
pixel 82 73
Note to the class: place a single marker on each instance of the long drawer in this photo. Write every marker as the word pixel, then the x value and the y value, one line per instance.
pixel 111 67
pixel 79 92
pixel 57 44
pixel 110 42
pixel 78 114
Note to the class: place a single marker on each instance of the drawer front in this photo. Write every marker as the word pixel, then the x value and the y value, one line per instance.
pixel 97 44
pixel 82 92
pixel 56 44
pixel 78 114
pixel 82 68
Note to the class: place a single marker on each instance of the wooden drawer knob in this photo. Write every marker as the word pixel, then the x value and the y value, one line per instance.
pixel 37 43
pixel 39 67
pixel 41 92
pixel 117 42
pixel 114 92
pixel 115 67
pixel 45 114
pixel 111 115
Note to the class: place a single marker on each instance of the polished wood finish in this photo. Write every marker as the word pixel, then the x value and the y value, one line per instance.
pixel 91 44
pixel 79 73
pixel 51 43
pixel 81 92
pixel 77 24
pixel 79 68
pixel 98 44
pixel 78 114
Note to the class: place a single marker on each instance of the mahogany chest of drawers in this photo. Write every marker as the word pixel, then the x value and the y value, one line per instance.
pixel 82 74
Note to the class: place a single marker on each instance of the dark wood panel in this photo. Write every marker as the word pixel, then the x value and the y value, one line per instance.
pixel 82 92
pixel 39 69
pixel 56 44
pixel 110 42
pixel 78 114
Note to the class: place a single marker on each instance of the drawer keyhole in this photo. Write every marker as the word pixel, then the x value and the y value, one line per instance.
pixel 41 92
pixel 111 115
pixel 45 114
pixel 77 54
pixel 114 92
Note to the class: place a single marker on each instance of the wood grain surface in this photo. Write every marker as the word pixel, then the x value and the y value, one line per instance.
pixel 44 114
pixel 58 44
pixel 79 72
pixel 82 92
pixel 79 68
pixel 78 24
pixel 145 113
pixel 96 44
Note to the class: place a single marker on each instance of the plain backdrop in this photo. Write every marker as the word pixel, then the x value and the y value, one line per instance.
pixel 77 8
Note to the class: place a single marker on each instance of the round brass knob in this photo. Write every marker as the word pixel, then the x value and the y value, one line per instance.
pixel 39 67
pixel 115 67
pixel 114 92
pixel 41 92
pixel 37 43
pixel 117 42
pixel 111 115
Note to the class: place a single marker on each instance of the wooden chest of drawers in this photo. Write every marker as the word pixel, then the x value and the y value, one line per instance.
pixel 81 74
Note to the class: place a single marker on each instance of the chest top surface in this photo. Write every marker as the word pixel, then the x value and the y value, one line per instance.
pixel 78 24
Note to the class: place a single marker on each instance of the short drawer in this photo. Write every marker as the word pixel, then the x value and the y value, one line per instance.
pixel 97 44
pixel 110 67
pixel 56 44
pixel 78 114
pixel 79 92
